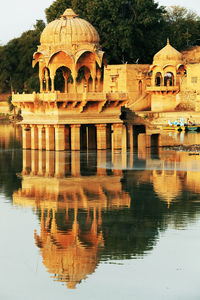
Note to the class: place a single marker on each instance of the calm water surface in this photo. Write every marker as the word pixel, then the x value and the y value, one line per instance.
pixel 98 225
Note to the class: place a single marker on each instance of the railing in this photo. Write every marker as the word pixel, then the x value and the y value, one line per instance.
pixel 57 96
pixel 162 88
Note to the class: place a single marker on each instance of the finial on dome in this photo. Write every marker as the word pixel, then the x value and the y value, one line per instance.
pixel 69 13
pixel 168 43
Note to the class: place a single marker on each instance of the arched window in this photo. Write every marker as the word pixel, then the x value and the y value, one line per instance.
pixel 169 79
pixel 158 79
pixel 63 76
pixel 140 87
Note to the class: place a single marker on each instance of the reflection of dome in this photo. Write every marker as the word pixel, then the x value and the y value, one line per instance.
pixel 166 185
pixel 168 55
pixel 69 30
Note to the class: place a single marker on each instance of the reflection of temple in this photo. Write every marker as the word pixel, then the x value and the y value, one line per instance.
pixel 70 207
pixel 172 173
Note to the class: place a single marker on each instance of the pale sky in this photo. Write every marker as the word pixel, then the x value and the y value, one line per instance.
pixel 19 16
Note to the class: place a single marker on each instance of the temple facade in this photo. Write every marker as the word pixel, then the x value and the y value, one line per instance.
pixel 80 102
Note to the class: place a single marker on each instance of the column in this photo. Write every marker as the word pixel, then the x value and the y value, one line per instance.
pixel 144 143
pixel 130 137
pixel 41 137
pixel 60 164
pixel 26 137
pixel 59 137
pixel 50 163
pixel 124 139
pixel 52 83
pixel 101 136
pixel 26 162
pixel 117 134
pixel 75 137
pixel 50 138
pixel 41 163
pixel 75 164
pixel 34 162
pixel 101 162
pixel 34 137
pixel 67 137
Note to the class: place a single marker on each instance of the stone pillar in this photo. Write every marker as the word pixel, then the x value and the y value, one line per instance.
pixel 41 84
pixel 59 137
pixel 41 137
pixel 98 80
pixel 59 164
pixel 34 162
pixel 118 137
pixel 75 137
pixel 52 83
pixel 41 163
pixel 75 164
pixel 26 137
pixel 26 162
pixel 124 139
pixel 101 136
pixel 50 163
pixel 101 162
pixel 34 137
pixel 130 137
pixel 67 137
pixel 144 142
pixel 50 138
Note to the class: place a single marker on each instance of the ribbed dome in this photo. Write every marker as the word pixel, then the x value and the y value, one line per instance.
pixel 167 55
pixel 69 30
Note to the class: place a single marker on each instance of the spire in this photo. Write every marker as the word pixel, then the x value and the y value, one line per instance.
pixel 168 43
pixel 69 13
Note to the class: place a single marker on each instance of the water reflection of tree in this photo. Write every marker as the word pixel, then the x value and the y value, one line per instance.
pixel 10 166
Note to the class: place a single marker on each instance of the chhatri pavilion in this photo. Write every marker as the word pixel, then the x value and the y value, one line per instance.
pixel 81 97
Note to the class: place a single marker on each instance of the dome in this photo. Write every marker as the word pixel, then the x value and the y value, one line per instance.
pixel 69 30
pixel 168 55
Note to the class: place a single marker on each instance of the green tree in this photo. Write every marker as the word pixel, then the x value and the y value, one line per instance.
pixel 181 26
pixel 16 59
pixel 129 29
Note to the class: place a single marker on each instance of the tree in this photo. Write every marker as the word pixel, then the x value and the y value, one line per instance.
pixel 181 26
pixel 15 61
pixel 128 29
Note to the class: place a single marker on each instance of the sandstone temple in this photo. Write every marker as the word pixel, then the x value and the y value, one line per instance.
pixel 86 104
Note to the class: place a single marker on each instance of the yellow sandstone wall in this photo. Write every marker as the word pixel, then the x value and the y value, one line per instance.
pixel 125 78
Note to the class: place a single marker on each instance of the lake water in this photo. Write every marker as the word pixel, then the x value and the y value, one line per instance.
pixel 98 225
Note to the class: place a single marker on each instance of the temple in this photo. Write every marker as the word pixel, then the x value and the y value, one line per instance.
pixel 84 103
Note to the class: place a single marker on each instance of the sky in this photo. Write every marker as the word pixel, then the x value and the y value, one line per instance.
pixel 19 16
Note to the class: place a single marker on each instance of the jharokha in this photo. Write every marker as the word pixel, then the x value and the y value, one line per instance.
pixel 101 106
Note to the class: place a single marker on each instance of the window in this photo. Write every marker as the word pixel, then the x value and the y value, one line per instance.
pixel 194 79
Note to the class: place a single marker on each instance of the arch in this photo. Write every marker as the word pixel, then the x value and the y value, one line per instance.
pixel 59 59
pixel 63 76
pixel 169 79
pixel 169 66
pixel 87 58
pixel 140 87
pixel 45 79
pixel 84 76
pixel 153 67
pixel 181 70
pixel 37 56
pixel 158 79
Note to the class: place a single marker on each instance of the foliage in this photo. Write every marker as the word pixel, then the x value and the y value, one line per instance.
pixel 16 73
pixel 129 30
pixel 181 26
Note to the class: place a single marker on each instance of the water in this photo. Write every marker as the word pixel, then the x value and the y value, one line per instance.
pixel 98 225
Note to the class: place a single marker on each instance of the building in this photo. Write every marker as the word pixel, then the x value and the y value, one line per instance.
pixel 81 97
